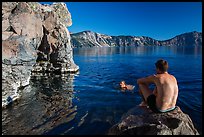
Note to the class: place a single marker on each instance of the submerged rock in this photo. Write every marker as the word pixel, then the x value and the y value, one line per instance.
pixel 32 33
pixel 149 123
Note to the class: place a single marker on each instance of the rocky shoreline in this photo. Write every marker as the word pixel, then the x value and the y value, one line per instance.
pixel 34 39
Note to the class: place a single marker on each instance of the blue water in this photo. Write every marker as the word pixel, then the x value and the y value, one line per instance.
pixel 90 101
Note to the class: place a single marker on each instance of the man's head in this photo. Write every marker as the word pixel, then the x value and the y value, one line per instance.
pixel 161 66
pixel 122 84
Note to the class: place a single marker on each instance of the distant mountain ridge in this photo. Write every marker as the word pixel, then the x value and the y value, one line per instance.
pixel 94 39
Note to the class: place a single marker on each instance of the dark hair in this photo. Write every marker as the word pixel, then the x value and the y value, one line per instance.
pixel 162 65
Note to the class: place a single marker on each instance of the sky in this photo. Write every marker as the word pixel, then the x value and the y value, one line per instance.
pixel 158 20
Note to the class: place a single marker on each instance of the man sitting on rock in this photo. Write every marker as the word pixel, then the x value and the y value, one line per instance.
pixel 164 96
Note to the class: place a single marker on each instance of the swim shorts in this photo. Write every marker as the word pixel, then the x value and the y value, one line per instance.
pixel 151 101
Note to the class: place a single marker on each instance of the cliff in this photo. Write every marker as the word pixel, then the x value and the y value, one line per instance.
pixel 34 39
pixel 187 39
pixel 92 39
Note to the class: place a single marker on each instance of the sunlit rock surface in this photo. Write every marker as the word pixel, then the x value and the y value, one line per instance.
pixel 93 39
pixel 34 38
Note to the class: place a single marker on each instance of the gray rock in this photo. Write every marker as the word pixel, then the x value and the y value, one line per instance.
pixel 14 77
pixel 33 33
pixel 149 123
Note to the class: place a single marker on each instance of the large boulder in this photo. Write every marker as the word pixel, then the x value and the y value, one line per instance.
pixel 171 123
pixel 55 51
pixel 31 34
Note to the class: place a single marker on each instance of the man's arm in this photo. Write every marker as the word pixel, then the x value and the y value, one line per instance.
pixel 146 80
pixel 155 91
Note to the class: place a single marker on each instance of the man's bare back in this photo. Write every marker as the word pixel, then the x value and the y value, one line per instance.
pixel 165 94
pixel 167 91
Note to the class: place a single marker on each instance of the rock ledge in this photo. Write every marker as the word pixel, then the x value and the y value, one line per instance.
pixel 170 123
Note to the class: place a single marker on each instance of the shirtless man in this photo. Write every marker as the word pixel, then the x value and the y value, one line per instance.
pixel 164 96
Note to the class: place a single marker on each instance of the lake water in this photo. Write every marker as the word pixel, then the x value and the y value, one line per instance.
pixel 90 102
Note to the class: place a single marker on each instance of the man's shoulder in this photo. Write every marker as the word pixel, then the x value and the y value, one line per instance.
pixel 153 77
pixel 173 77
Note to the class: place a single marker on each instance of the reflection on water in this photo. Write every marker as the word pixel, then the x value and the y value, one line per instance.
pixel 90 102
pixel 102 68
pixel 47 105
pixel 140 50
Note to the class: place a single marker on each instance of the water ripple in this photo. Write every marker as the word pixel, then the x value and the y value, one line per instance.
pixel 90 101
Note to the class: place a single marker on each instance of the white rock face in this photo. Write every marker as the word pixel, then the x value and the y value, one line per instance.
pixel 32 33
pixel 91 39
